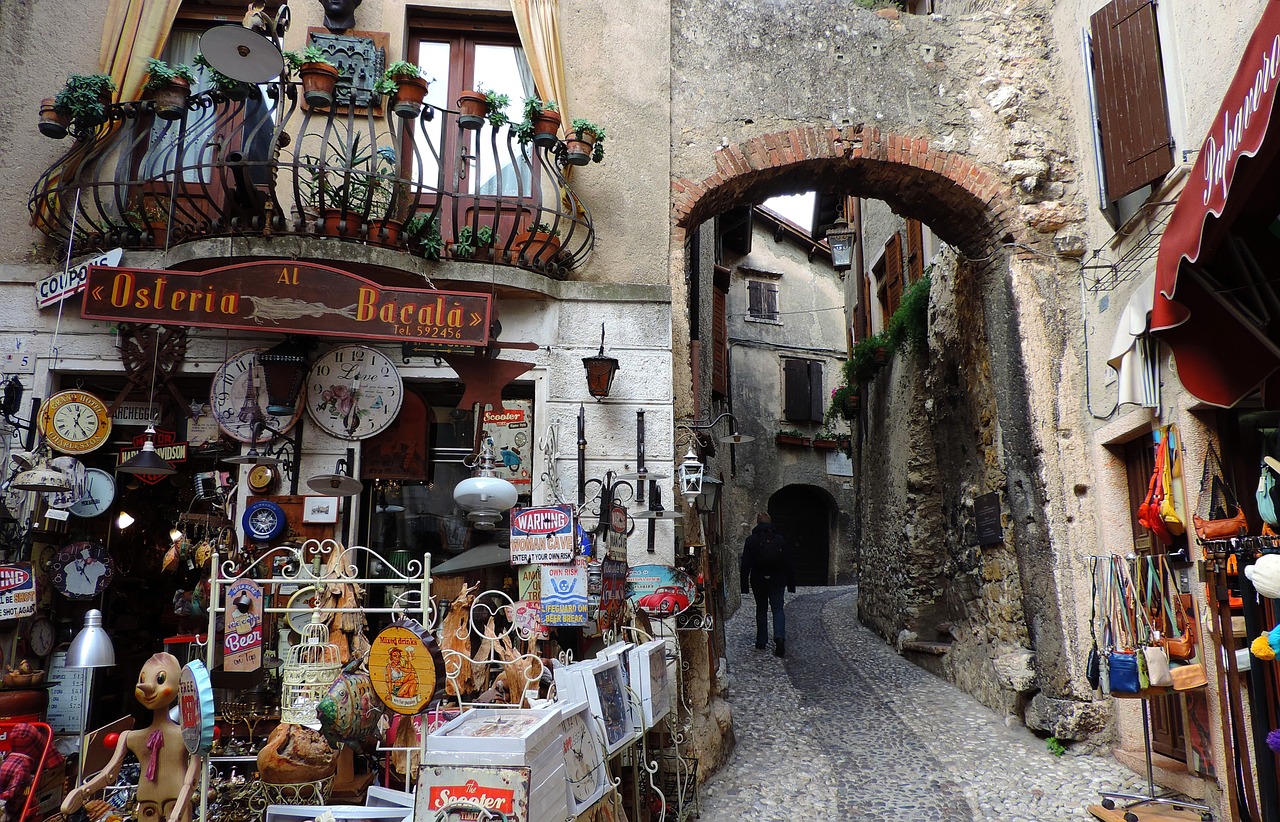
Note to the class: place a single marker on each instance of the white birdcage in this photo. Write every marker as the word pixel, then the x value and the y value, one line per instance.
pixel 312 667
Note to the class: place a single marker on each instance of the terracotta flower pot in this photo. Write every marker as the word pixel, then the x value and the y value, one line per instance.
pixel 823 444
pixel 171 99
pixel 412 91
pixel 318 83
pixel 578 147
pixel 392 228
pixel 331 223
pixel 473 107
pixel 52 124
pixel 789 439
pixel 546 128
pixel 880 355
pixel 538 246
pixel 851 405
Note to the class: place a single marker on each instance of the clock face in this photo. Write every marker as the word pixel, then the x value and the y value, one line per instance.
pixel 99 491
pixel 74 422
pixel 263 478
pixel 81 570
pixel 583 759
pixel 76 474
pixel 354 392
pixel 238 398
pixel 264 521
pixel 42 636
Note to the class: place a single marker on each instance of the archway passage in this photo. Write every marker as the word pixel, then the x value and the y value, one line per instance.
pixel 805 515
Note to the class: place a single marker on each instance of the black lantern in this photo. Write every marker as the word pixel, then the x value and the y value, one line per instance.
pixel 600 371
pixel 284 366
pixel 840 238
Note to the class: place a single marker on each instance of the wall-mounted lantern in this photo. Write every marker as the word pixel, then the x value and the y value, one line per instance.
pixel 600 371
pixel 285 368
pixel 840 238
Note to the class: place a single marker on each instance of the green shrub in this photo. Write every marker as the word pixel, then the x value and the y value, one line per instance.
pixel 161 74
pixel 909 325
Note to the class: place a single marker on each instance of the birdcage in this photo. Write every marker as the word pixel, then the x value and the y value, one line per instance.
pixel 312 667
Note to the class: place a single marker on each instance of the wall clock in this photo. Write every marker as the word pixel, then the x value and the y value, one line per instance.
pixel 81 570
pixel 74 422
pixel 238 386
pixel 263 479
pixel 99 492
pixel 264 521
pixel 41 636
pixel 583 757
pixel 354 392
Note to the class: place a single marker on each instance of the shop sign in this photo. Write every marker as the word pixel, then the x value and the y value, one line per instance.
pixel 62 284
pixel 66 698
pixel 542 535
pixel 495 789
pixel 195 707
pixel 17 591
pixel 405 666
pixel 616 540
pixel 287 295
pixel 986 513
pixel 509 426
pixel 133 413
pixel 564 594
pixel 613 590
pixel 530 582
pixel 660 590
pixel 242 642
pixel 167 448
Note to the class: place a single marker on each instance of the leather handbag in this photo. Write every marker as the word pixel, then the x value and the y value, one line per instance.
pixel 1220 499
pixel 1156 661
pixel 1168 509
pixel 1122 672
pixel 1189 676
pixel 1184 646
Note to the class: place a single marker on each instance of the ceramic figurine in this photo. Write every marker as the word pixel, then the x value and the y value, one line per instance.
pixel 168 772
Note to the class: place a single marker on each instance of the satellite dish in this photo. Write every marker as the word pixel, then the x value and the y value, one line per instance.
pixel 241 54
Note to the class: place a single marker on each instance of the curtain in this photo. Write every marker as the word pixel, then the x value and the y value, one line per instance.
pixel 538 22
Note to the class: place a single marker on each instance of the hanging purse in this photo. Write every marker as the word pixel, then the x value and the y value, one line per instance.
pixel 1155 495
pixel 1179 637
pixel 1265 495
pixel 1189 676
pixel 1214 488
pixel 1122 669
pixel 1168 510
pixel 1156 661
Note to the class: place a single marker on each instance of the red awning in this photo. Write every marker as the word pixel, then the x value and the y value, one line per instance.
pixel 1222 357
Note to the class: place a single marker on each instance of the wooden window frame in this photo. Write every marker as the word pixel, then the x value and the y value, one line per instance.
pixel 765 309
pixel 802 399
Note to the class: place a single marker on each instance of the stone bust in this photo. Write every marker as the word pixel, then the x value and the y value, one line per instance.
pixel 339 15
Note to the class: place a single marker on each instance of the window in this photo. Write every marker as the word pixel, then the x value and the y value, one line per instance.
pixel 720 333
pixel 915 251
pixel 762 300
pixel 1135 145
pixel 802 391
pixel 890 274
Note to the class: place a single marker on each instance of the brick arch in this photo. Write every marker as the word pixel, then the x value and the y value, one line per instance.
pixel 960 200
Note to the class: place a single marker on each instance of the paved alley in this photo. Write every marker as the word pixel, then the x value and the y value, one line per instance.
pixel 849 730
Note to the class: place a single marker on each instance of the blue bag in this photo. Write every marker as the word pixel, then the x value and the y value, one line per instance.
pixel 1122 670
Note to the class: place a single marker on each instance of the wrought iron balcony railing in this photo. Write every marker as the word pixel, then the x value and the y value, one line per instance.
pixel 268 164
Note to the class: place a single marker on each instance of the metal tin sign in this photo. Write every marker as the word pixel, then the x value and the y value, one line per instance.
pixel 541 535
pixel 287 295
pixel 564 594
pixel 497 790
pixel 660 590
pixel 615 544
pixel 406 667
pixel 62 284
pixel 195 705
pixel 511 431
pixel 613 590
pixel 986 512
pixel 242 641
pixel 17 591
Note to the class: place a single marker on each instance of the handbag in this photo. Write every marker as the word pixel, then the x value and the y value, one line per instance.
pixel 1188 676
pixel 1220 497
pixel 1178 635
pixel 1168 510
pixel 1122 670
pixel 1093 666
pixel 1156 661
pixel 1149 510
pixel 1264 495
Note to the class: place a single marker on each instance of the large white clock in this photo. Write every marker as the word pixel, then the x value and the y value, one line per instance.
pixel 354 392
pixel 238 397
pixel 583 757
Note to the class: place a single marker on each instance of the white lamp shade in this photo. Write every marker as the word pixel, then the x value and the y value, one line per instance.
pixel 92 647
pixel 485 499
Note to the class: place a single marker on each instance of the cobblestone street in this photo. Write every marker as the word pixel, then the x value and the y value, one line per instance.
pixel 845 729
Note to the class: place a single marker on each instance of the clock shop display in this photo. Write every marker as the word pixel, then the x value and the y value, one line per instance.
pixel 354 392
pixel 238 400
pixel 74 422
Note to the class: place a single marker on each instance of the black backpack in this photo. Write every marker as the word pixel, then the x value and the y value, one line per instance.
pixel 771 552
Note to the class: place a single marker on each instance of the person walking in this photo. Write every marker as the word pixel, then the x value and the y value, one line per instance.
pixel 767 569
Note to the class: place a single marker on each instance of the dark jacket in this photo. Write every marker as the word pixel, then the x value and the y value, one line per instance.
pixel 762 579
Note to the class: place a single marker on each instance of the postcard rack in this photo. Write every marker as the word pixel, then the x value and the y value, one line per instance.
pixel 312 565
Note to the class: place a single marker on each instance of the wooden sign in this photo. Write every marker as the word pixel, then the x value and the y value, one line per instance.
pixel 242 641
pixel 986 511
pixel 406 666
pixel 287 295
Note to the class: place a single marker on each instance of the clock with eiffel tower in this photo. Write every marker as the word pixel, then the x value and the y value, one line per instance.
pixel 238 398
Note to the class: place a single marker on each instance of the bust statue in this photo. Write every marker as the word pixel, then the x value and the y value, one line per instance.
pixel 339 15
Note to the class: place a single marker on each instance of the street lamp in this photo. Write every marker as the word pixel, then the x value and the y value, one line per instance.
pixel 690 477
pixel 284 369
pixel 600 371
pixel 840 238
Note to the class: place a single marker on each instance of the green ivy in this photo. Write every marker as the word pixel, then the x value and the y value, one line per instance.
pixel 1055 747
pixel 910 323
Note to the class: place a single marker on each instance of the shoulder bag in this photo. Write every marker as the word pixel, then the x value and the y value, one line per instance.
pixel 1215 491
pixel 1168 509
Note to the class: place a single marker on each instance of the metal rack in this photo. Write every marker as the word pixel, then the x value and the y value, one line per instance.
pixel 1102 275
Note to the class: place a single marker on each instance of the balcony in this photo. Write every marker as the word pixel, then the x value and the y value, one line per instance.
pixel 270 165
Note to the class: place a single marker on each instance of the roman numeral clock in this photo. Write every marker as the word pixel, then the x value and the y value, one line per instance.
pixel 354 392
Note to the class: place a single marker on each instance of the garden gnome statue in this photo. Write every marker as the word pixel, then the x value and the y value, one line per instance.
pixel 339 15
pixel 168 773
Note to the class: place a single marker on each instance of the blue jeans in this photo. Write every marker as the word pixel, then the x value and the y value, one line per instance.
pixel 769 595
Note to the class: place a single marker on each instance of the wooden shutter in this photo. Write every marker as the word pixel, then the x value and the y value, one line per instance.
pixel 755 299
pixel 770 293
pixel 795 398
pixel 915 251
pixel 1133 115
pixel 720 338
pixel 817 408
pixel 893 273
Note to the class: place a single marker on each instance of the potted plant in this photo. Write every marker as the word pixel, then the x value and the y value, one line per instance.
pixel 53 121
pixel 149 214
pixel 845 402
pixel 233 89
pixel 825 441
pixel 866 358
pixel 424 232
pixel 790 436
pixel 478 105
pixel 540 242
pixel 169 87
pixel 404 83
pixel 585 144
pixel 319 75
pixel 909 324
pixel 468 241
pixel 541 124
pixel 86 101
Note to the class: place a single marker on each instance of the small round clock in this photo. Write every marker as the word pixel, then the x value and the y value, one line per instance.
pixel 238 386
pixel 74 422
pixel 263 479
pixel 264 521
pixel 99 491
pixel 41 636
pixel 354 392
pixel 81 570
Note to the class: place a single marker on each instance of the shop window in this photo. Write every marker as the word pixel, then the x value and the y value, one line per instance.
pixel 762 300
pixel 889 274
pixel 802 391
pixel 1133 134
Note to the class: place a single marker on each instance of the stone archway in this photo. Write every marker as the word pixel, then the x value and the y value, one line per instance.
pixel 806 515
pixel 972 208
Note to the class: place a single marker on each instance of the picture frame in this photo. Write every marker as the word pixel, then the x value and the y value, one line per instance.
pixel 584 681
pixel 320 509
pixel 651 679
pixel 622 651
